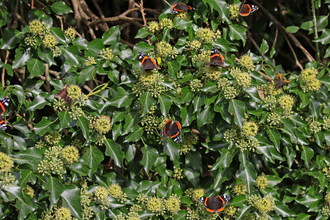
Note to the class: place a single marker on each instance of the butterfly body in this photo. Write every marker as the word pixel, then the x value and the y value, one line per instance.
pixel 179 7
pixel 3 106
pixel 172 129
pixel 216 59
pixel 147 62
pixel 214 203
pixel 246 9
pixel 280 81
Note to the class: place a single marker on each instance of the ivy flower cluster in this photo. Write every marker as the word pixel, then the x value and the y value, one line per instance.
pixel 106 53
pixel 116 192
pixel 239 189
pixel 262 182
pixel 250 129
pixel 52 162
pixel 309 81
pixel 242 79
pixel 286 103
pixel 166 50
pixel 70 154
pixel 149 81
pixel 213 73
pixel 70 32
pixel 86 199
pixel 263 205
pixel 195 194
pixel 233 11
pixel 188 141
pixel 178 173
pixel 156 205
pixel 206 35
pixel 246 62
pixel 250 144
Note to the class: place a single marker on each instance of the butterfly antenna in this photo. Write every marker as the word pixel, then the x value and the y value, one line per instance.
pixel 168 3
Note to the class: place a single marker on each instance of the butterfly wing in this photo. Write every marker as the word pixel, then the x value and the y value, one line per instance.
pixel 246 9
pixel 179 7
pixel 4 104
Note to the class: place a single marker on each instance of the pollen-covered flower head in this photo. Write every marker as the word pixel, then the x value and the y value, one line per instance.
pixel 265 204
pixel 6 163
pixel 173 204
pixel 205 34
pixel 103 124
pixel 213 73
pixel 197 193
pixel 233 11
pixel 115 191
pixel 246 62
pixel 49 41
pixel 239 189
pixel 250 129
pixel 70 154
pixel 230 210
pixel 74 92
pixel 36 27
pixel 63 213
pixel 286 103
pixel 153 26
pixel 308 74
pixel 101 194
pixel 70 32
pixel 156 205
pixel 166 23
pixel 262 182
pixel 107 54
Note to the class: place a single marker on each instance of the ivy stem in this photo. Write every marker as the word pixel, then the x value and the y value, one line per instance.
pixel 315 31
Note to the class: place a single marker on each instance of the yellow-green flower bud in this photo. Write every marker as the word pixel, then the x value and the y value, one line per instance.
pixel 262 182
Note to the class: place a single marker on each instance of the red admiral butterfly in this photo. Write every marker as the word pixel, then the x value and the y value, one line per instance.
pixel 280 81
pixel 246 9
pixel 214 204
pixel 172 129
pixel 3 106
pixel 216 59
pixel 179 7
pixel 147 63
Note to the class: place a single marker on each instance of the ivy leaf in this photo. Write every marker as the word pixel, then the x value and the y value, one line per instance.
pixel 114 151
pixel 65 119
pixel 237 108
pixel 172 149
pixel 165 104
pixel 194 160
pixel 237 33
pixel 306 154
pixel 112 36
pixel 147 101
pixel 93 157
pixel 27 176
pixel 135 135
pixel 324 38
pixel 224 161
pixel 55 188
pixel 71 199
pixel 192 176
pixel 283 210
pixel 60 8
pixel 10 38
pixel 150 155
pixel 43 127
pixel 292 29
pixel 82 122
pixel 122 99
pixel 205 116
pixel 248 175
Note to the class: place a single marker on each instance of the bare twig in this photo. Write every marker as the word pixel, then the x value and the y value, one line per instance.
pixel 168 3
pixel 3 70
pixel 294 54
pixel 124 17
pixel 100 12
pixel 142 13
pixel 254 43
pixel 47 84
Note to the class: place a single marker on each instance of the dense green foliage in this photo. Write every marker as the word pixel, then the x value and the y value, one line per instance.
pixel 83 133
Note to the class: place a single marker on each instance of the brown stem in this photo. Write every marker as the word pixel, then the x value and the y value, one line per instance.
pixel 3 70
pixel 294 54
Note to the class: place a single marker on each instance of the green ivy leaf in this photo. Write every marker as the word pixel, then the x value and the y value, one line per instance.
pixel 27 176
pixel 43 127
pixel 192 176
pixel 71 199
pixel 324 38
pixel 83 124
pixel 224 160
pixel 35 67
pixel 206 116
pixel 292 29
pixel 10 38
pixel 122 99
pixel 142 33
pixel 194 160
pixel 182 24
pixel 165 104
pixel 114 151
pixel 135 135
pixel 237 33
pixel 150 155
pixel 55 188
pixel 112 36
pixel 65 119
pixel 283 210
pixel 248 175
pixel 93 157
pixel 172 149
pixel 306 154
pixel 30 157
pixel 147 101
pixel 60 8
pixel 237 108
